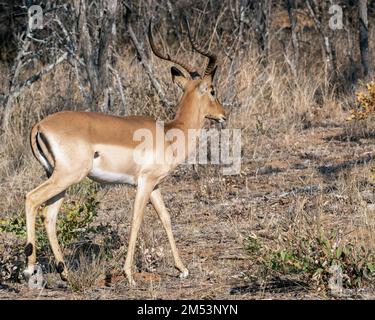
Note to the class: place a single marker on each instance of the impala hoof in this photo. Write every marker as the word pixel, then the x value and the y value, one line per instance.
pixel 130 278
pixel 61 269
pixel 64 276
pixel 184 274
pixel 27 273
pixel 132 283
pixel 34 277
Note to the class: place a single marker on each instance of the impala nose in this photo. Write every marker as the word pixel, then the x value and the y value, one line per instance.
pixel 222 119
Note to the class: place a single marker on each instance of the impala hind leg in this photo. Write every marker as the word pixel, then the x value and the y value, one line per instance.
pixel 158 203
pixel 55 185
pixel 142 197
pixel 50 221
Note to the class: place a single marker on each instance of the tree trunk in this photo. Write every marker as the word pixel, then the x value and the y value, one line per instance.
pixel 96 63
pixel 295 62
pixel 262 26
pixel 328 51
pixel 363 36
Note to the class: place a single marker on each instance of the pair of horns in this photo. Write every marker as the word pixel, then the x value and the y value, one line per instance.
pixel 211 57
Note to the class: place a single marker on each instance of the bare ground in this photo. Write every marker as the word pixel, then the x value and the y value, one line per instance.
pixel 322 172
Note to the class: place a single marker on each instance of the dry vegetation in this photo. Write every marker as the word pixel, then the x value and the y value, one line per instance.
pixel 304 200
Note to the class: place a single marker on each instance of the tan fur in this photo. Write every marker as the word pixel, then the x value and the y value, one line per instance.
pixel 91 144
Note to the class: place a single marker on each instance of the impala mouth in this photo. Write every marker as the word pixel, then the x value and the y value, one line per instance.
pixel 220 119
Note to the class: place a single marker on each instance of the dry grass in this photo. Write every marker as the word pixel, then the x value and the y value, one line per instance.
pixel 86 270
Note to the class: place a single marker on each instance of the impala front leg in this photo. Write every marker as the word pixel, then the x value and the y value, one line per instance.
pixel 143 195
pixel 161 210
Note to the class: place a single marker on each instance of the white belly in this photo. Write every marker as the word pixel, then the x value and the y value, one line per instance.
pixel 100 175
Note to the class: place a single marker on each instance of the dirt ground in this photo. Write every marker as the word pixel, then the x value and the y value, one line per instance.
pixel 212 214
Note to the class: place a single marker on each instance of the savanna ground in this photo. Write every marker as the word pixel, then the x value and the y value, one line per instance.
pixel 288 189
pixel 303 203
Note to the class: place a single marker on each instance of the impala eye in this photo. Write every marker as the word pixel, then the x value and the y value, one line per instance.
pixel 213 93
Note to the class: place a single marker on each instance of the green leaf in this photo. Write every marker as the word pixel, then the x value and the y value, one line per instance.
pixel 339 252
pixel 371 267
pixel 283 255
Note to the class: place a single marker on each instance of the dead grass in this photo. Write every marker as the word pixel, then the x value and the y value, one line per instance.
pixel 85 270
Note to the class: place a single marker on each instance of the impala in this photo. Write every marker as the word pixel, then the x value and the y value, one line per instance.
pixel 73 145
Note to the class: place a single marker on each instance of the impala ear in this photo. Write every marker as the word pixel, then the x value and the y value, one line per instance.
pixel 179 78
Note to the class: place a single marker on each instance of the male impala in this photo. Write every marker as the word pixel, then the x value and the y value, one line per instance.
pixel 73 145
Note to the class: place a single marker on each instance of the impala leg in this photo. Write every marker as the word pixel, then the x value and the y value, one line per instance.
pixel 34 199
pixel 142 197
pixel 50 221
pixel 158 203
pixel 54 186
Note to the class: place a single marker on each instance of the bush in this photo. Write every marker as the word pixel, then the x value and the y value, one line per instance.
pixel 366 102
pixel 315 260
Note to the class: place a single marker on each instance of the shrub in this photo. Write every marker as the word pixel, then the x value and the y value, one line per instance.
pixel 366 102
pixel 315 260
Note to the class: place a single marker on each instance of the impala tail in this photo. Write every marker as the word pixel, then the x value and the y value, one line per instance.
pixel 42 150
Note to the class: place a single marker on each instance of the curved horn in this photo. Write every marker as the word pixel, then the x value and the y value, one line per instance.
pixel 163 56
pixel 212 59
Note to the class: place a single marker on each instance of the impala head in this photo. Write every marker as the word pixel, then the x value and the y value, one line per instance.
pixel 198 90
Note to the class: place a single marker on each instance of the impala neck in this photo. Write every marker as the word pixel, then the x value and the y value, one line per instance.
pixel 188 116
